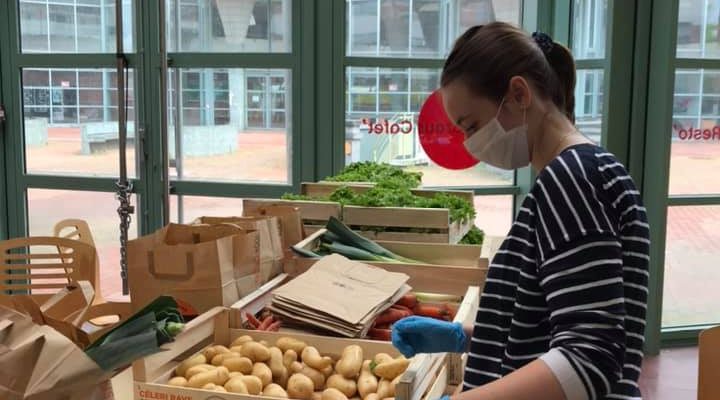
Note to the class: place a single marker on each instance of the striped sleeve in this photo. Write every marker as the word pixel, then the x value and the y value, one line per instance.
pixel 581 276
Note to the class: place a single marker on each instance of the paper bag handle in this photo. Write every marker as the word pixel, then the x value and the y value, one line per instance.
pixel 189 268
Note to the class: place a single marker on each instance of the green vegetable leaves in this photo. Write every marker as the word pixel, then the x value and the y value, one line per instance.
pixel 374 172
pixel 474 236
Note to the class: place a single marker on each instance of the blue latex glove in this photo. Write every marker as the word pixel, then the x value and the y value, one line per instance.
pixel 415 335
pixel 446 397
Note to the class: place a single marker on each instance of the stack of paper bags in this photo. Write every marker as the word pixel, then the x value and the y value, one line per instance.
pixel 339 295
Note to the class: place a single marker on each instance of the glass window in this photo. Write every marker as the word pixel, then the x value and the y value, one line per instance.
pixel 237 26
pixel 698 29
pixel 185 209
pixel 71 122
pixel 418 28
pixel 371 101
pixel 51 26
pixel 99 210
pixel 691 274
pixel 233 125
pixel 494 214
pixel 589 103
pixel 589 29
pixel 695 132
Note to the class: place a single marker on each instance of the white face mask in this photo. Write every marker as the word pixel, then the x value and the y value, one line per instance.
pixel 493 145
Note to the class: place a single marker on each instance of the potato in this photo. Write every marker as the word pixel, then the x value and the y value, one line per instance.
pixel 253 383
pixel 220 389
pixel 241 341
pixel 236 385
pixel 236 349
pixel 317 396
pixel 351 362
pixel 255 352
pixel 178 381
pixel 381 358
pixel 391 369
pixel 288 343
pixel 238 364
pixel 262 371
pixel 275 390
pixel 217 376
pixel 289 357
pixel 212 351
pixel 220 358
pixel 300 387
pixel 282 379
pixel 333 394
pixel 236 374
pixel 312 358
pixel 348 387
pixel 372 396
pixel 190 362
pixel 276 363
pixel 264 343
pixel 328 371
pixel 384 389
pixel 209 386
pixel 367 383
pixel 198 369
pixel 296 367
pixel 317 377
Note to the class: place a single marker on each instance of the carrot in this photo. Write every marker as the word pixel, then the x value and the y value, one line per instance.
pixel 402 308
pixel 265 323
pixel 430 311
pixel 380 334
pixel 382 326
pixel 409 301
pixel 391 315
pixel 274 327
pixel 252 320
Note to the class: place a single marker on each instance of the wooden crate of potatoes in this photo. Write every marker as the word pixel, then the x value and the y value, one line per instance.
pixel 451 373
pixel 211 358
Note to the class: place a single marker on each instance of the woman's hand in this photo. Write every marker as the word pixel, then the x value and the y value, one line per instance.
pixel 415 335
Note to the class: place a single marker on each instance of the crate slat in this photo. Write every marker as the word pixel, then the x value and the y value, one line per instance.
pixel 430 218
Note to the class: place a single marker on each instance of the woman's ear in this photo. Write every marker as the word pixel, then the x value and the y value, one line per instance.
pixel 519 92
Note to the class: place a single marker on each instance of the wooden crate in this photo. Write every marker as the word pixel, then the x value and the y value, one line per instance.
pixel 152 373
pixel 450 375
pixel 449 269
pixel 396 220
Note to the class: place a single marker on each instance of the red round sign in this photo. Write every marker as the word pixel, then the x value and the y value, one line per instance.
pixel 440 138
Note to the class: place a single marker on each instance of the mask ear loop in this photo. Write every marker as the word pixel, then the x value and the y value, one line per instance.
pixel 502 102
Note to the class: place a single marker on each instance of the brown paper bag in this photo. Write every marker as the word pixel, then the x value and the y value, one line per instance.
pixel 39 363
pixel 271 253
pixel 65 311
pixel 290 223
pixel 201 266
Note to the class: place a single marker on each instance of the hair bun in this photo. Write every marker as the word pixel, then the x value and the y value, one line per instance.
pixel 544 41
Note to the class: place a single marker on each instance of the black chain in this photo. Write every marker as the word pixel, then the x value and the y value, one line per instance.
pixel 125 210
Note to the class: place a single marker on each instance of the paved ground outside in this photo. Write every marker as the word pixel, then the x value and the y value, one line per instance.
pixel 693 239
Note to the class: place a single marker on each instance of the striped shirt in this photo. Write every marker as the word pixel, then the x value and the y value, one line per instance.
pixel 569 283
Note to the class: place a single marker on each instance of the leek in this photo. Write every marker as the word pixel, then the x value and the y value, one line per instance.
pixel 345 236
pixel 140 335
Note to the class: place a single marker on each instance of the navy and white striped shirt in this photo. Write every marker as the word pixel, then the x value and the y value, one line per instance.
pixel 569 283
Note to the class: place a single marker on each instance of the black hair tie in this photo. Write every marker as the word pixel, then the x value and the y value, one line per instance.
pixel 544 41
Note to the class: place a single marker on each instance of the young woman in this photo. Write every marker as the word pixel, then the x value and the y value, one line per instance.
pixel 562 314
